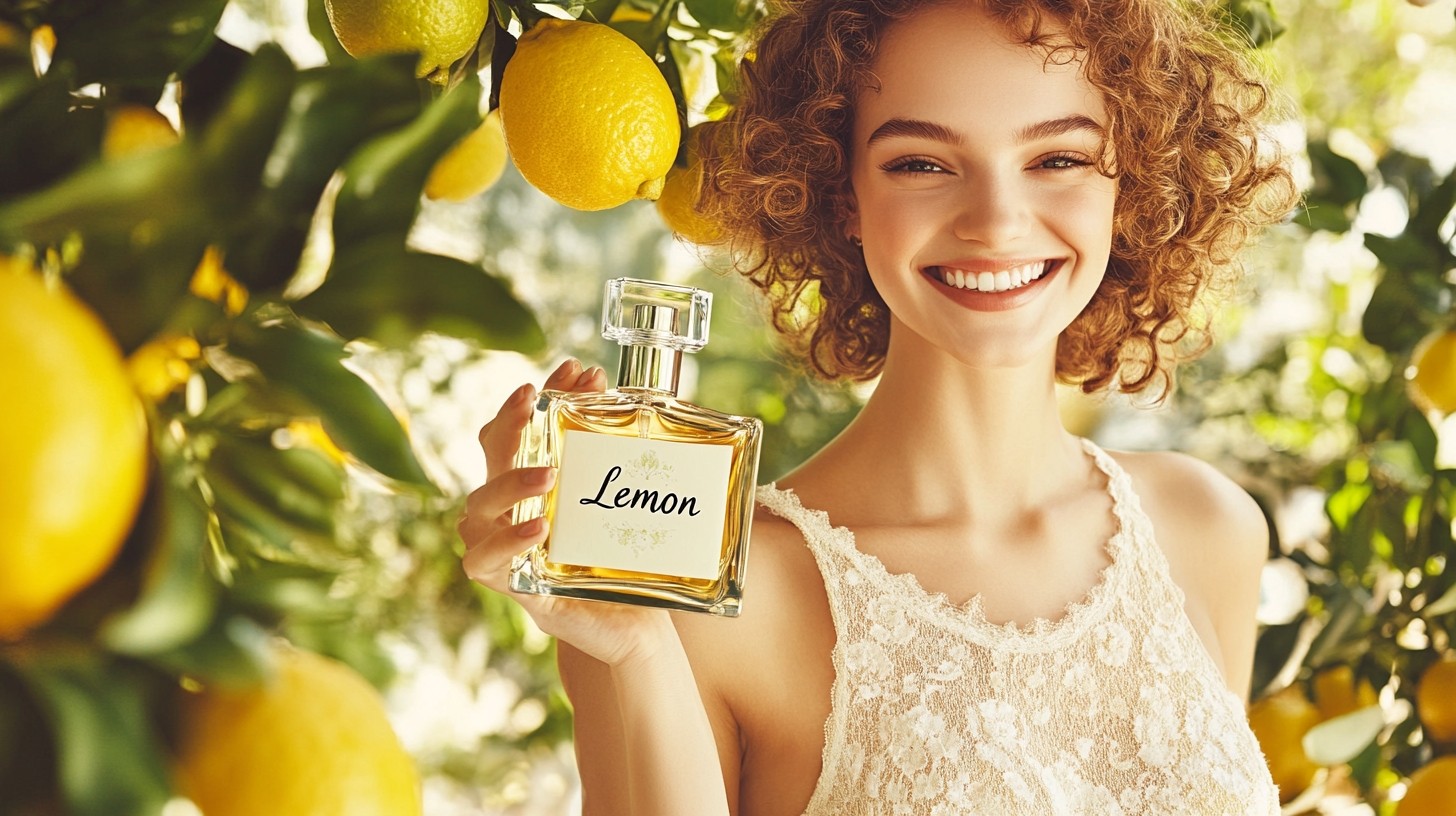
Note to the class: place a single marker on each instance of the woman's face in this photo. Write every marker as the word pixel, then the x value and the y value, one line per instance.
pixel 986 226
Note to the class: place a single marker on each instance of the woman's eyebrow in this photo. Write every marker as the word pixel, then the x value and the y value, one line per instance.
pixel 914 128
pixel 922 129
pixel 1059 126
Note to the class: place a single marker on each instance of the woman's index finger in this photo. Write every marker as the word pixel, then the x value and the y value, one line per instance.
pixel 500 437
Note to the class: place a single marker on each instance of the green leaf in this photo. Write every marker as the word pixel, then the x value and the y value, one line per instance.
pixel 1344 503
pixel 383 180
pixel 1405 255
pixel 265 475
pixel 1340 739
pixel 1337 179
pixel 1255 19
pixel 178 596
pixel 1398 461
pixel 136 43
pixel 309 365
pixel 333 110
pixel 1416 429
pixel 240 137
pixel 44 132
pixel 323 31
pixel 1317 214
pixel 723 15
pixel 1395 317
pixel 109 759
pixel 137 288
pixel 1431 211
pixel 234 653
pixel 380 290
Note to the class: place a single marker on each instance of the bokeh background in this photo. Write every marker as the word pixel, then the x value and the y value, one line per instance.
pixel 1326 396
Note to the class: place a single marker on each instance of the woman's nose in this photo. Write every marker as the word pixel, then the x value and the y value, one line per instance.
pixel 992 212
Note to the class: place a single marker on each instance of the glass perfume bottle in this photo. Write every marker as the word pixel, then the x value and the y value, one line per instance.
pixel 653 496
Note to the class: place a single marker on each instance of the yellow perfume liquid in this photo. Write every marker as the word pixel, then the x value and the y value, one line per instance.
pixel 654 495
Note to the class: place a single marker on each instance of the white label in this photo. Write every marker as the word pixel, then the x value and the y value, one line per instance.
pixel 641 504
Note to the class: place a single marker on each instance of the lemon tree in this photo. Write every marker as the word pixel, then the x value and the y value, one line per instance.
pixel 183 425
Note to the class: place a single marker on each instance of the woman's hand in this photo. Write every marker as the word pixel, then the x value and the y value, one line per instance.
pixel 612 633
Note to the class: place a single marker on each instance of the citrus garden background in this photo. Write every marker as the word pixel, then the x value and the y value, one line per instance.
pixel 256 295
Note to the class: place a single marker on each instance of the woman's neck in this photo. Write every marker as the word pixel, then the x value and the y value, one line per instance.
pixel 943 442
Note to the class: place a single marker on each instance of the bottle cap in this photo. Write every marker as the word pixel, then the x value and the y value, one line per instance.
pixel 650 313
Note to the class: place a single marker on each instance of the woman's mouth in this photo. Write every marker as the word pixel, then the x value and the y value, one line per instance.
pixel 986 291
pixel 1003 281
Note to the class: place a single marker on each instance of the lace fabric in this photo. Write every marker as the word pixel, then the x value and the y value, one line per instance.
pixel 1114 708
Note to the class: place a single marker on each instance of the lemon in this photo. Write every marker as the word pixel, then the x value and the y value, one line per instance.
pixel 133 129
pixel 441 31
pixel 1436 700
pixel 678 203
pixel 312 742
pixel 472 165
pixel 1280 722
pixel 73 449
pixel 1432 373
pixel 1432 790
pixel 588 117
pixel 1336 693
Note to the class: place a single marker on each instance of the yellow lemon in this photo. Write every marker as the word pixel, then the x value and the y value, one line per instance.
pixel 589 119
pixel 1280 722
pixel 1336 693
pixel 1432 373
pixel 1432 790
pixel 132 129
pixel 314 741
pixel 1436 700
pixel 441 31
pixel 73 449
pixel 678 203
pixel 472 165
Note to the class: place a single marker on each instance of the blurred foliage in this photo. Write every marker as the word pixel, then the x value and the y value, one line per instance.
pixel 297 489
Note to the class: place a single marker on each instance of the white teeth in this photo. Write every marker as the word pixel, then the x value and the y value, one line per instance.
pixel 1002 281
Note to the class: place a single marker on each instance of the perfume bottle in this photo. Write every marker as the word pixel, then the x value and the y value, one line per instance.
pixel 653 496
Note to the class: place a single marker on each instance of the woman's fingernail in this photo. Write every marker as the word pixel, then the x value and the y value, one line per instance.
pixel 519 395
pixel 567 367
pixel 530 528
pixel 541 477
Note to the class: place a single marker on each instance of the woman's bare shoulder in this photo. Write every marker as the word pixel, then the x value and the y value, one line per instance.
pixel 1192 502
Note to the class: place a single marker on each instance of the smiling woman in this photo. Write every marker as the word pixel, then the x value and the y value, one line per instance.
pixel 1002 617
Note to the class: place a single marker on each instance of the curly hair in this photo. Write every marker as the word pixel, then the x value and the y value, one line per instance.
pixel 1196 176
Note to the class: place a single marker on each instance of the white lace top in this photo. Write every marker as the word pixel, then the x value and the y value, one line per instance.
pixel 1116 708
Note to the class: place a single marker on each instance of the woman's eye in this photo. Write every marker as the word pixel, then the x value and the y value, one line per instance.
pixel 913 166
pixel 1062 162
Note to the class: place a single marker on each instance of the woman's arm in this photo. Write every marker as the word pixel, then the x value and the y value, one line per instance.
pixel 645 733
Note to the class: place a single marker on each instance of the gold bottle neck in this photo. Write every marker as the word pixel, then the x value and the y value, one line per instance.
pixel 652 368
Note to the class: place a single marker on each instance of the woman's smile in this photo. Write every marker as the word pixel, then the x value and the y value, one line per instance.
pixel 1008 287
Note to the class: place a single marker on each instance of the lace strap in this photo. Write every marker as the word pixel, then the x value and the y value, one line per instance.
pixel 1138 544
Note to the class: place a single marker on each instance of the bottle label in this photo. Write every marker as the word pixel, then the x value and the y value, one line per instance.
pixel 643 505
